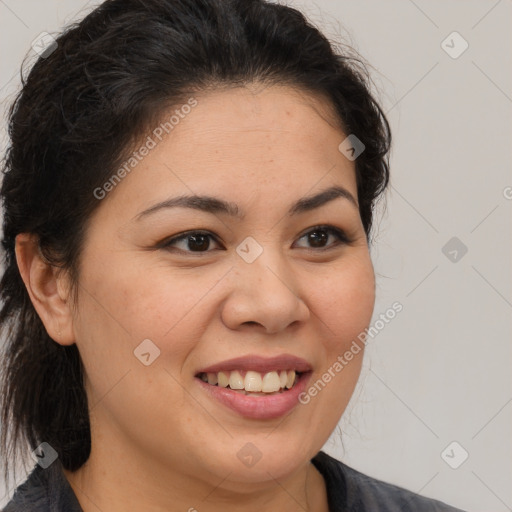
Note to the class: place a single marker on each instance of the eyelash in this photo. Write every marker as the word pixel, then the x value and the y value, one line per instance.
pixel 340 234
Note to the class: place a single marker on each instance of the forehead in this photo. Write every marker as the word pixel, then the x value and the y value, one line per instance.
pixel 264 111
pixel 252 142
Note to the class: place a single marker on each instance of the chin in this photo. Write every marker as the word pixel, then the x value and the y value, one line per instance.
pixel 253 459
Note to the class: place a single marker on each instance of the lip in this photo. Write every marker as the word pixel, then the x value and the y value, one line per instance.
pixel 261 364
pixel 257 407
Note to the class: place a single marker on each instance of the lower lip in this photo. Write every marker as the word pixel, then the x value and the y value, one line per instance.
pixel 258 407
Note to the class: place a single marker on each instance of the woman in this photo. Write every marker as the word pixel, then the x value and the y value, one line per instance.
pixel 188 199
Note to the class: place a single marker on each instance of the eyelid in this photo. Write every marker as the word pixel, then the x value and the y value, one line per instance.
pixel 338 232
pixel 166 242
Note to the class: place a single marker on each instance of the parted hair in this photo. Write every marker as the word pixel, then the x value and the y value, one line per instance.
pixel 80 110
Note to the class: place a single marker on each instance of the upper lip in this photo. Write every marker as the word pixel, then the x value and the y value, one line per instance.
pixel 260 364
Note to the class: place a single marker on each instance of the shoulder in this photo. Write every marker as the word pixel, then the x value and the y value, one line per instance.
pixel 351 490
pixel 44 490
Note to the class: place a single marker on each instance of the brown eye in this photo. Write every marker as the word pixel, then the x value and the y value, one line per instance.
pixel 192 241
pixel 319 236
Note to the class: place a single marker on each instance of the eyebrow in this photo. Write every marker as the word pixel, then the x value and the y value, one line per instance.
pixel 215 205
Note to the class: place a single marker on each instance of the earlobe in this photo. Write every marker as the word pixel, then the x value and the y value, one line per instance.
pixel 45 285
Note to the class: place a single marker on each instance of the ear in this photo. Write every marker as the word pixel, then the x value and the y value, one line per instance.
pixel 48 288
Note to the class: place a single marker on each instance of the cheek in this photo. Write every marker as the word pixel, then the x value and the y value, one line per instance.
pixel 123 304
pixel 118 310
pixel 345 300
pixel 344 305
pixel 140 301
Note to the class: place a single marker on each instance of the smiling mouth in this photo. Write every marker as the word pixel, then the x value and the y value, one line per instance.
pixel 252 382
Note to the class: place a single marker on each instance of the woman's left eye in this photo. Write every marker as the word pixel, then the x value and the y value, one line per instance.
pixel 199 241
pixel 320 234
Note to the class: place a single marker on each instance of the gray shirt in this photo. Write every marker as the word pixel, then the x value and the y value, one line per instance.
pixel 348 490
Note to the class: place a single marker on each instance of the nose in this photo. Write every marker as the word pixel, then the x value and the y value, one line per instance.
pixel 266 293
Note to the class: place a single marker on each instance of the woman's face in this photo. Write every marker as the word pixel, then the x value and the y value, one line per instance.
pixel 261 284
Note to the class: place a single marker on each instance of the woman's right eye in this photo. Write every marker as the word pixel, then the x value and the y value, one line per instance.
pixel 191 241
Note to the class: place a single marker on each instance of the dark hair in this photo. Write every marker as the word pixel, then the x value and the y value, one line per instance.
pixel 80 110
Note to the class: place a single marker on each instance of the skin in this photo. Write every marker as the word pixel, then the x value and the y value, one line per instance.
pixel 158 441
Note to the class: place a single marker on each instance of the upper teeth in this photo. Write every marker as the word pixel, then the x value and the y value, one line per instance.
pixel 252 381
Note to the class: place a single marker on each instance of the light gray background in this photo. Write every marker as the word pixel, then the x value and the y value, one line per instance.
pixel 440 371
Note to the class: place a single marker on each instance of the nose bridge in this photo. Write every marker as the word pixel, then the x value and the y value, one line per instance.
pixel 263 289
pixel 265 261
